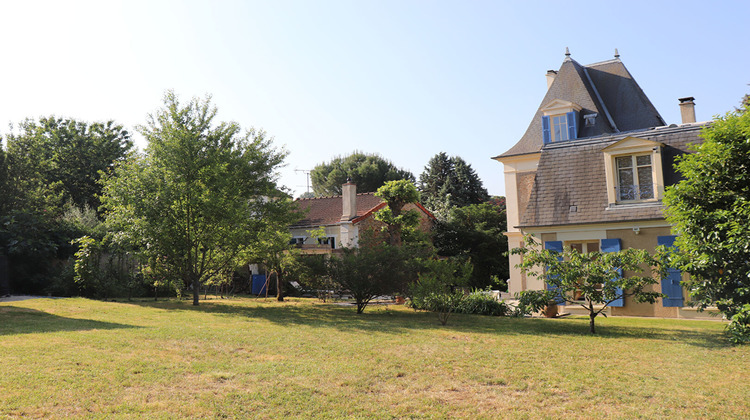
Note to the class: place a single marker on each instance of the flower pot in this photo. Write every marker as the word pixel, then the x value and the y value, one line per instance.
pixel 551 310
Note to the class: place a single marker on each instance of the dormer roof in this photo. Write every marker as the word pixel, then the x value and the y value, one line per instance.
pixel 606 89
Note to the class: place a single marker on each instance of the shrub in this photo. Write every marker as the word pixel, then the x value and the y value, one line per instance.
pixel 480 302
pixel 739 327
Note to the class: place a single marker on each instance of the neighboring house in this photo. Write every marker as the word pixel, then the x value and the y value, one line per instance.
pixel 590 173
pixel 342 217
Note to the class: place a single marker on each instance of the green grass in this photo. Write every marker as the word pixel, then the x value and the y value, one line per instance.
pixel 247 358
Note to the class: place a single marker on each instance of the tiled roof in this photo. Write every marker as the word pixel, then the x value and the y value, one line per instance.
pixel 326 211
pixel 604 88
pixel 572 174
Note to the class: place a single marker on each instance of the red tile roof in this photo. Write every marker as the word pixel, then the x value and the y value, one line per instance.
pixel 325 211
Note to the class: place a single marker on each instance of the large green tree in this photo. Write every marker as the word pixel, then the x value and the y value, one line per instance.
pixel 201 193
pixel 449 182
pixel 368 171
pixel 475 232
pixel 51 167
pixel 710 212
pixel 64 159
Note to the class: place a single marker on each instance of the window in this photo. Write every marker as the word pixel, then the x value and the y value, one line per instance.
pixel 559 121
pixel 297 240
pixel 633 167
pixel 328 241
pixel 560 127
pixel 635 179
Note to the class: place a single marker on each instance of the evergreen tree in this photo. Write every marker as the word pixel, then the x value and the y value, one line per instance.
pixel 449 182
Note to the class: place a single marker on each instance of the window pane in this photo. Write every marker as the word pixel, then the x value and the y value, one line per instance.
pixel 560 124
pixel 645 182
pixel 578 247
pixel 626 184
pixel 592 247
pixel 624 162
pixel 643 160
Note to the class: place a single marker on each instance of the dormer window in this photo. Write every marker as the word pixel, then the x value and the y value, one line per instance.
pixel 560 121
pixel 560 127
pixel 634 172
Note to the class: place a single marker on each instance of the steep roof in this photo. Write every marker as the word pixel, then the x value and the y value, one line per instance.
pixel 572 174
pixel 604 88
pixel 325 211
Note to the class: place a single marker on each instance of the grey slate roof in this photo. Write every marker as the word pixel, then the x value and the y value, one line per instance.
pixel 618 95
pixel 572 174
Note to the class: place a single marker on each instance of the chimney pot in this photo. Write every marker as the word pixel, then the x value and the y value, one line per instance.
pixel 687 109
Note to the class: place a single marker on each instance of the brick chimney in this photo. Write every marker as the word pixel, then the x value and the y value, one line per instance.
pixel 551 74
pixel 348 201
pixel 687 109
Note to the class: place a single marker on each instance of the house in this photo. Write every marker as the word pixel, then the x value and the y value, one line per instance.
pixel 590 173
pixel 342 218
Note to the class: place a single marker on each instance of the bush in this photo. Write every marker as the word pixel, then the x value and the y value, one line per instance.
pixel 739 327
pixel 479 302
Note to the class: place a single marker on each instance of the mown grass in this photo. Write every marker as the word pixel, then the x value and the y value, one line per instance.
pixel 248 358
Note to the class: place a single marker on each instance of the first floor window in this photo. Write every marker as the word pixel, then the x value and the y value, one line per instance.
pixel 634 177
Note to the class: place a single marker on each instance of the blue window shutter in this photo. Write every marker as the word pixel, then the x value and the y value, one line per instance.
pixel 572 125
pixel 545 130
pixel 613 245
pixel 556 246
pixel 670 285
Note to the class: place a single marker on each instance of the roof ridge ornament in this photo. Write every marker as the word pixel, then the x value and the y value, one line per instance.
pixel 617 54
pixel 567 52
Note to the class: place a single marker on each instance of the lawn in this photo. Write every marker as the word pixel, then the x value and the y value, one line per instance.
pixel 245 358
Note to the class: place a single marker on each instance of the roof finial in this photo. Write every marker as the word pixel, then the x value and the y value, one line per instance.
pixel 567 52
pixel 617 54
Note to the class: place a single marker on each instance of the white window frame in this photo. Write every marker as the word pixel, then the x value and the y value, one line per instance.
pixel 633 146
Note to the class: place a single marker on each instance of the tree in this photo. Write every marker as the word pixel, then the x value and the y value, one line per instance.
pixel 199 196
pixel 368 171
pixel 449 182
pixel 475 233
pixel 593 280
pixel 66 156
pixel 398 194
pixel 377 268
pixel 710 212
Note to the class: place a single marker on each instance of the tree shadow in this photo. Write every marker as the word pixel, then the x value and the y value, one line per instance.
pixel 17 320
pixel 381 319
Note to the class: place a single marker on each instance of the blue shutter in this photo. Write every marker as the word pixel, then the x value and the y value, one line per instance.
pixel 670 285
pixel 572 125
pixel 556 246
pixel 613 245
pixel 545 130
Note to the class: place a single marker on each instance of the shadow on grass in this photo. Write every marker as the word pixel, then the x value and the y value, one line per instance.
pixel 398 320
pixel 17 320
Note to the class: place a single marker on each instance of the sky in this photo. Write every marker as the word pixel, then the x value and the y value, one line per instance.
pixel 405 79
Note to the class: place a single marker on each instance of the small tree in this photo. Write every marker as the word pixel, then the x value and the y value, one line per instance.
pixel 398 194
pixel 595 278
pixel 377 268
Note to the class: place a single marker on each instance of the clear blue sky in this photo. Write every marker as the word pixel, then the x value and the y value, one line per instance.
pixel 405 79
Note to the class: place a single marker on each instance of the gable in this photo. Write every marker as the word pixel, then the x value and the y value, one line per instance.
pixel 631 144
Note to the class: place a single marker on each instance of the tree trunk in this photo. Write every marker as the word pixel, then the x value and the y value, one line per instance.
pixel 279 288
pixel 196 292
pixel 592 328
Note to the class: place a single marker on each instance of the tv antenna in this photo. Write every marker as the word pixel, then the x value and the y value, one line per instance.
pixel 307 174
